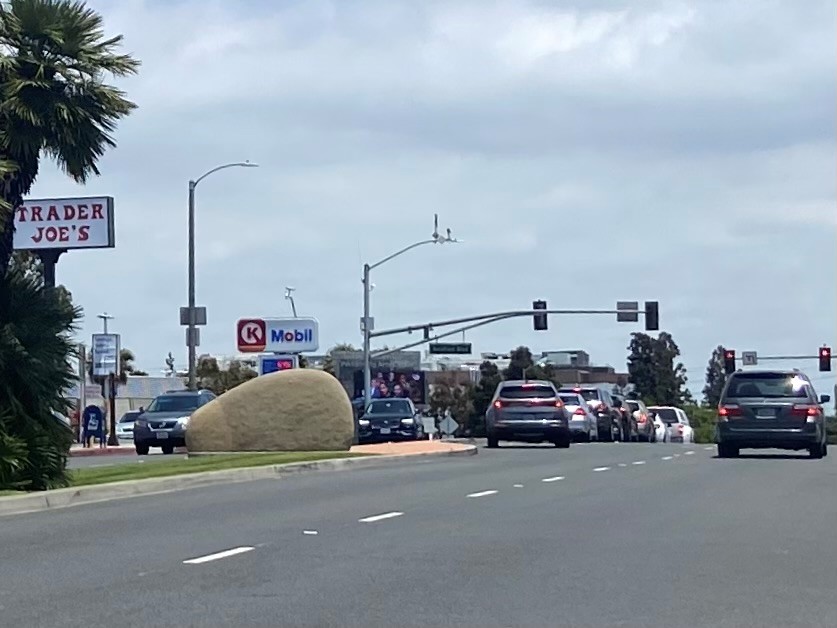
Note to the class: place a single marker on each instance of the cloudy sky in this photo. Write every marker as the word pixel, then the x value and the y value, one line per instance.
pixel 584 151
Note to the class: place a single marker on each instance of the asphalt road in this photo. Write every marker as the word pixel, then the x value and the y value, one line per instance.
pixel 595 536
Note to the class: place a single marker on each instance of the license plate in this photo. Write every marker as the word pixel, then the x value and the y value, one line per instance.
pixel 162 435
pixel 766 413
pixel 385 430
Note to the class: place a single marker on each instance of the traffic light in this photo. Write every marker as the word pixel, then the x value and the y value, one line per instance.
pixel 729 361
pixel 825 358
pixel 540 319
pixel 652 315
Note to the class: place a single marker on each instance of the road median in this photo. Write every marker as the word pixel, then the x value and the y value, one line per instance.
pixel 181 475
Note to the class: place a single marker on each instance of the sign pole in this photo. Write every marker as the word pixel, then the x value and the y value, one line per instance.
pixel 113 441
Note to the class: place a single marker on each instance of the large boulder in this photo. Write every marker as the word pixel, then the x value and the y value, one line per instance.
pixel 295 410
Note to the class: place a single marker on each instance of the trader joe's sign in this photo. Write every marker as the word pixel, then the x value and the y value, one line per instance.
pixel 65 223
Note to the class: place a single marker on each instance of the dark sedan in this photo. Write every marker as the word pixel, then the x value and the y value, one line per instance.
pixel 389 420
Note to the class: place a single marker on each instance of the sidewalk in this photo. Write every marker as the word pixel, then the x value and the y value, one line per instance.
pixel 406 448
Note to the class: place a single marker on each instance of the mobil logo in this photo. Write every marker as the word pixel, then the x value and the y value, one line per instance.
pixel 292 335
pixel 284 336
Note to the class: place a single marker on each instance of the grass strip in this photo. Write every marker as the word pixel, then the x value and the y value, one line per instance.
pixel 180 466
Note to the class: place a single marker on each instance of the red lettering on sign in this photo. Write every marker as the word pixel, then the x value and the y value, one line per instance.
pixel 51 234
pixel 83 233
pixel 82 212
pixel 64 234
pixel 39 235
pixel 69 212
pixel 53 213
pixel 36 214
pixel 97 212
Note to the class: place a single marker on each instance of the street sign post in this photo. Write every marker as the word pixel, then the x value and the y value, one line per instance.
pixel 749 358
pixel 448 425
pixel 105 354
pixel 454 348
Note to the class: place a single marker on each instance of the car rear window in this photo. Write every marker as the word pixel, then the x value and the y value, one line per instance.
pixel 666 415
pixel 769 385
pixel 590 394
pixel 571 400
pixel 527 391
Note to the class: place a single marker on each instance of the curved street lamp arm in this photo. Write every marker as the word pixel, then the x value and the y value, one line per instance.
pixel 238 164
pixel 405 249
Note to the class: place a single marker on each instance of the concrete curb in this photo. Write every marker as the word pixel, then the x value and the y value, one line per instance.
pixel 77 496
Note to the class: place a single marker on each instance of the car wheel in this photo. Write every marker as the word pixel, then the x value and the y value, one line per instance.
pixel 168 449
pixel 493 442
pixel 726 450
pixel 816 452
pixel 563 444
pixel 142 450
pixel 825 448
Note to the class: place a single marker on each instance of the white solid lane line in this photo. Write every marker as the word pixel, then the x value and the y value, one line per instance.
pixel 639 462
pixel 482 494
pixel 374 518
pixel 555 479
pixel 602 469
pixel 219 555
pixel 689 453
pixel 668 457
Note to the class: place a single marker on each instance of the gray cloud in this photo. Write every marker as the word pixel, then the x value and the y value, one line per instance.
pixel 584 151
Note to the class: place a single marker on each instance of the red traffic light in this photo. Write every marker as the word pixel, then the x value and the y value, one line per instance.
pixel 825 358
pixel 730 355
pixel 825 352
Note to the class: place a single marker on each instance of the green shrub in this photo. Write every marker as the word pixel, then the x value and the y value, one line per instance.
pixel 831 429
pixel 703 422
pixel 35 371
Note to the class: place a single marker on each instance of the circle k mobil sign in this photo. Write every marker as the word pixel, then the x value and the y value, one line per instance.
pixel 277 335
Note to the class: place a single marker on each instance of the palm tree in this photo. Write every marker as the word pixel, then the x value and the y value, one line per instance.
pixel 53 100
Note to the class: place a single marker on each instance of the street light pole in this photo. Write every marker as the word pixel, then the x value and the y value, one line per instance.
pixel 191 340
pixel 105 318
pixel 436 238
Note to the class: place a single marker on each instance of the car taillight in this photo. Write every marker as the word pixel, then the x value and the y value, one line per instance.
pixel 728 411
pixel 641 418
pixel 580 412
pixel 559 403
pixel 498 404
pixel 803 410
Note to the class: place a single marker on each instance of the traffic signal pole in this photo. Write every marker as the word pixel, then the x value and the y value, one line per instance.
pixel 474 322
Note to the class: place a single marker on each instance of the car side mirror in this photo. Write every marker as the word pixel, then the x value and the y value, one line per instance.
pixel 141 410
pixel 825 398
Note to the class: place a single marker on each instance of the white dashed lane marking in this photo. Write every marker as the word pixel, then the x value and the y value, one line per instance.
pixel 555 479
pixel 218 556
pixel 668 457
pixel 602 469
pixel 518 486
pixel 709 448
pixel 639 462
pixel 310 532
pixel 689 453
pixel 482 494
pixel 374 518
pixel 622 464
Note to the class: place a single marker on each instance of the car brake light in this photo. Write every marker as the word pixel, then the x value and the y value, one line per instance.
pixel 804 410
pixel 498 404
pixel 641 419
pixel 728 411
pixel 559 403
pixel 580 412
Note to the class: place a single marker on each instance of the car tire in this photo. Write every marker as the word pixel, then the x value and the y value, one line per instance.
pixel 816 452
pixel 825 449
pixel 725 450
pixel 167 449
pixel 142 450
pixel 563 444
pixel 493 442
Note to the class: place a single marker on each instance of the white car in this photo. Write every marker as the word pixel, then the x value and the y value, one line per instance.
pixel 678 429
pixel 125 426
pixel 582 422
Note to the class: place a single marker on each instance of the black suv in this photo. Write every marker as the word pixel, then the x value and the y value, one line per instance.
pixel 603 407
pixel 163 424
pixel 770 409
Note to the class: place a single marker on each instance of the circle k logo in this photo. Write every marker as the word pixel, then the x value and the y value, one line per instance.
pixel 252 335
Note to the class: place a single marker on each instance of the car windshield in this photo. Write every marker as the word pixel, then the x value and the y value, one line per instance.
pixel 571 400
pixel 666 415
pixel 770 385
pixel 393 406
pixel 527 391
pixel 174 403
